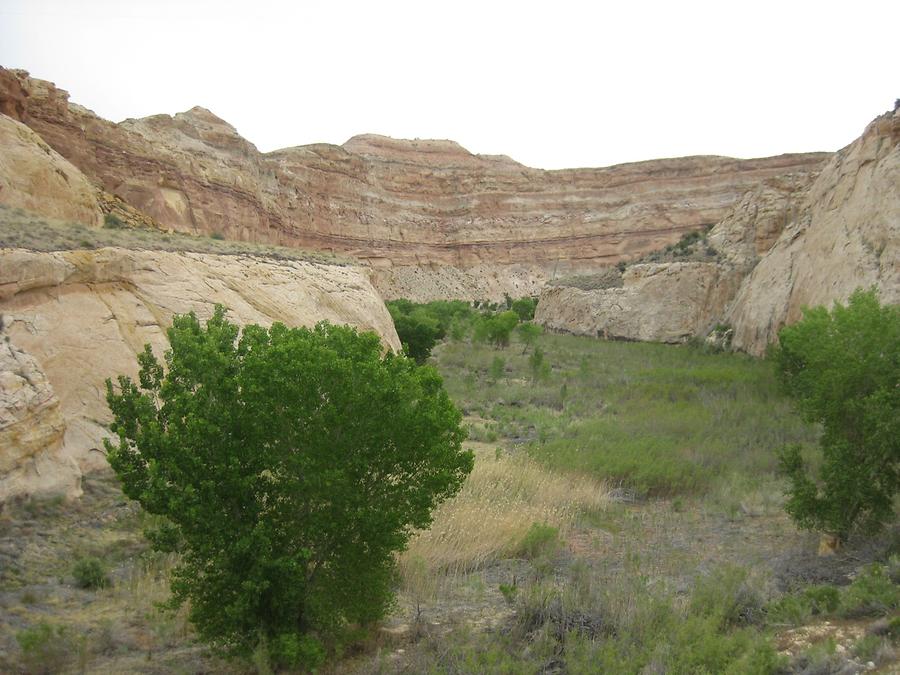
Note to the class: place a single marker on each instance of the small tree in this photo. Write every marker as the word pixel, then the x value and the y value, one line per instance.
pixel 524 307
pixel 290 465
pixel 498 368
pixel 418 334
pixel 842 368
pixel 528 334
pixel 500 327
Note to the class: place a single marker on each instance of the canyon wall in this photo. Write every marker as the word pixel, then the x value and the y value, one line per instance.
pixel 429 218
pixel 845 236
pixel 792 241
pixel 71 319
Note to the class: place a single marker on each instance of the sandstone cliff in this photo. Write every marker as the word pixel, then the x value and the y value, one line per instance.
pixel 71 319
pixel 793 240
pixel 427 216
pixel 75 318
pixel 846 235
pixel 35 177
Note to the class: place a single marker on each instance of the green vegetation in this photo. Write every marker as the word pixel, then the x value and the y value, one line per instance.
pixel 421 326
pixel 90 573
pixel 46 649
pixel 287 467
pixel 112 221
pixel 524 308
pixel 842 368
pixel 657 419
pixel 541 539
pixel 581 626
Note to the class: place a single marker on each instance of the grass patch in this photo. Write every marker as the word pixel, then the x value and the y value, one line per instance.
pixel 493 513
pixel 662 420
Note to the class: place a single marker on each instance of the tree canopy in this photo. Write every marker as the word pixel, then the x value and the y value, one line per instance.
pixel 842 369
pixel 288 465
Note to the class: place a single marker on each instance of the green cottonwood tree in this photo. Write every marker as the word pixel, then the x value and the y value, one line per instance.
pixel 842 369
pixel 289 464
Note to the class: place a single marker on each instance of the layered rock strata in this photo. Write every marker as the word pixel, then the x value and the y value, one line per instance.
pixel 401 206
pixel 792 241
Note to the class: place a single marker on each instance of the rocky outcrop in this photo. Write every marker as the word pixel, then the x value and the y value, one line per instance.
pixel 674 301
pixel 36 178
pixel 431 205
pixel 792 241
pixel 79 317
pixel 846 236
pixel 657 302
pixel 31 430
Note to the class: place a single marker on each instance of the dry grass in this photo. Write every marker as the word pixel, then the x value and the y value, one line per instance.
pixel 503 497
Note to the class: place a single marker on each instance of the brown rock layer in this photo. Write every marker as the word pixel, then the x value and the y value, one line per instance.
pixel 390 202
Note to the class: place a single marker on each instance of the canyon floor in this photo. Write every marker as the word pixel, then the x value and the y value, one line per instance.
pixel 622 492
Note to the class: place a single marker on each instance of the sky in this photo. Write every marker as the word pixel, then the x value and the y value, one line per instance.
pixel 552 84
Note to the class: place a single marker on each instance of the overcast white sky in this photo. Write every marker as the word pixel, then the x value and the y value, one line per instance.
pixel 552 84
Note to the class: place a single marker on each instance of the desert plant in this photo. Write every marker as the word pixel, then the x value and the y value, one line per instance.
pixel 46 649
pixel 113 222
pixel 541 539
pixel 90 573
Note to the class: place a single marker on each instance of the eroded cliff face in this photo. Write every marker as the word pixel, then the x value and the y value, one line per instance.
pixel 75 318
pixel 36 178
pixel 792 241
pixel 674 301
pixel 846 236
pixel 71 319
pixel 400 206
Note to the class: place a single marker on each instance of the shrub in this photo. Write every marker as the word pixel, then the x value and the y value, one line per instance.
pixel 418 334
pixel 498 368
pixel 872 593
pixel 218 236
pixel 90 573
pixel 528 334
pixel 290 464
pixel 842 368
pixel 524 308
pixel 46 648
pixel 541 539
pixel 113 222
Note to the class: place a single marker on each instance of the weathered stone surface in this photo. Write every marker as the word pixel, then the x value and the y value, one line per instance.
pixel 35 177
pixel 659 302
pixel 845 236
pixel 84 315
pixel 31 431
pixel 429 204
pixel 796 240
pixel 673 301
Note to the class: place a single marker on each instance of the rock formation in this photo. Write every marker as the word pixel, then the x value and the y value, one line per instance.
pixel 31 430
pixel 846 236
pixel 79 317
pixel 792 241
pixel 35 177
pixel 423 214
pixel 71 319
